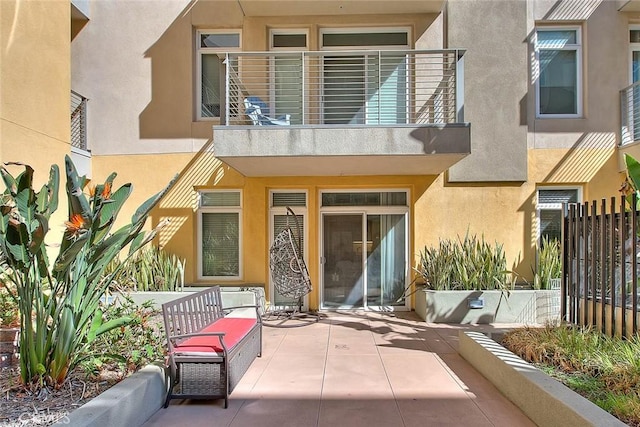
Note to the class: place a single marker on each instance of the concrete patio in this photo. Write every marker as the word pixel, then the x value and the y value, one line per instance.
pixel 356 369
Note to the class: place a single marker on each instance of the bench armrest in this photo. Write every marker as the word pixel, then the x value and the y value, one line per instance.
pixel 199 334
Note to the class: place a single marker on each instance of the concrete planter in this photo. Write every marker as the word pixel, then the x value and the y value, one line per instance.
pixel 517 306
pixel 231 296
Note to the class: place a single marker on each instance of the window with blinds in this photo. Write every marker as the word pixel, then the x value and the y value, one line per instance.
pixel 220 234
pixel 550 210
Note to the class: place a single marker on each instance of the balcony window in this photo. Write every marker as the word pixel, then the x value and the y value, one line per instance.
pixel 210 45
pixel 365 88
pixel 220 232
pixel 558 54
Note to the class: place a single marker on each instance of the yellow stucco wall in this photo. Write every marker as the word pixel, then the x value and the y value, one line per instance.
pixel 504 213
pixel 35 90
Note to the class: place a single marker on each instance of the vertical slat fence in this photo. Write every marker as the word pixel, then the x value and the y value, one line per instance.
pixel 600 266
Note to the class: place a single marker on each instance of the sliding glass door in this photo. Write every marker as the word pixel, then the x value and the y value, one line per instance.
pixel 364 251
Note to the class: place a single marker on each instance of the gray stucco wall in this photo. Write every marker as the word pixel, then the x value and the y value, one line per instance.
pixel 495 87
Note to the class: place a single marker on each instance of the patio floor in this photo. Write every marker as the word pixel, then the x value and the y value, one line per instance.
pixel 356 369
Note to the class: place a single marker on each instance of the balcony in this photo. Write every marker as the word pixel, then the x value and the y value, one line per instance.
pixel 398 112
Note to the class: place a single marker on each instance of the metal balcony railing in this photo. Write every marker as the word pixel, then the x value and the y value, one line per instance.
pixel 630 114
pixel 78 121
pixel 370 87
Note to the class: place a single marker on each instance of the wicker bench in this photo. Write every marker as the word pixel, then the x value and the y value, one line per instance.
pixel 208 353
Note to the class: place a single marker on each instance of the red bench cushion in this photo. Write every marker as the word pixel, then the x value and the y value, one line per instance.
pixel 235 328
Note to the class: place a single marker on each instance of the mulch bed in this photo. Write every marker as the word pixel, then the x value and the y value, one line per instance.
pixel 21 407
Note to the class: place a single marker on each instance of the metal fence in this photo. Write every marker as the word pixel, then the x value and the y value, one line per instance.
pixel 78 121
pixel 345 87
pixel 600 265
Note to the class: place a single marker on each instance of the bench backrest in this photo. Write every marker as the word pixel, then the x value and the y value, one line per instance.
pixel 193 312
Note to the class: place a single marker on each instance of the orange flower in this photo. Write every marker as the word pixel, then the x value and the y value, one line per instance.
pixel 92 190
pixel 75 225
pixel 106 191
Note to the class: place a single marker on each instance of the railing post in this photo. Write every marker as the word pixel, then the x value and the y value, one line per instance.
pixel 224 107
pixel 459 76
pixel 634 265
pixel 604 265
pixel 302 100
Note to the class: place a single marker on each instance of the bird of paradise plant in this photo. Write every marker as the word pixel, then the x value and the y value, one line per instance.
pixel 59 302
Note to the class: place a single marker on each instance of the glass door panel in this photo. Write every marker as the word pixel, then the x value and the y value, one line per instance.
pixel 344 90
pixel 386 260
pixel 343 265
pixel 386 89
pixel 280 222
pixel 288 87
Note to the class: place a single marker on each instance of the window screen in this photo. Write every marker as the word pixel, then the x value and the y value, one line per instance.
pixel 220 199
pixel 288 199
pixel 220 244
pixel 289 40
pixel 550 211
pixel 393 198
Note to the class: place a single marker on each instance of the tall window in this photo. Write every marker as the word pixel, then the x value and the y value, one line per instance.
pixel 549 210
pixel 297 201
pixel 220 234
pixel 558 67
pixel 287 91
pixel 210 45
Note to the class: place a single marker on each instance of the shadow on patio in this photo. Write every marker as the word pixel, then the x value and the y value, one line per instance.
pixel 353 369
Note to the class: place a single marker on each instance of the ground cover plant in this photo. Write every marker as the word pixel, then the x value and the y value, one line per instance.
pixel 112 357
pixel 603 369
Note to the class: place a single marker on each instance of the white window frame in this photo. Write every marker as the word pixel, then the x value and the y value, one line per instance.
pixel 209 51
pixel 282 210
pixel 571 47
pixel 220 209
pixel 365 30
pixel 551 206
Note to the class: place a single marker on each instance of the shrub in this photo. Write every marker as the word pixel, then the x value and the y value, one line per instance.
pixel 464 264
pixel 151 269
pixel 548 263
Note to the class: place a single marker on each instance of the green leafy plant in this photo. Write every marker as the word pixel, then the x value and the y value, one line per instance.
pixel 151 269
pixel 464 264
pixel 548 263
pixel 606 370
pixel 132 346
pixel 9 314
pixel 59 303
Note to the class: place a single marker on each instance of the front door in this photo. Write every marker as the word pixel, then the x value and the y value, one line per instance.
pixel 364 259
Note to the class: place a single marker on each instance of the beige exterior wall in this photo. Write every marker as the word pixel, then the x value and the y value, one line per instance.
pixel 135 61
pixel 35 90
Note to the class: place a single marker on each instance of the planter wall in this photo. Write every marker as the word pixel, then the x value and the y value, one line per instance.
pixel 518 306
pixel 231 297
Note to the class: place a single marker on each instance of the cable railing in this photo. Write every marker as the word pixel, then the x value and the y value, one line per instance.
pixel 365 87
pixel 78 121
